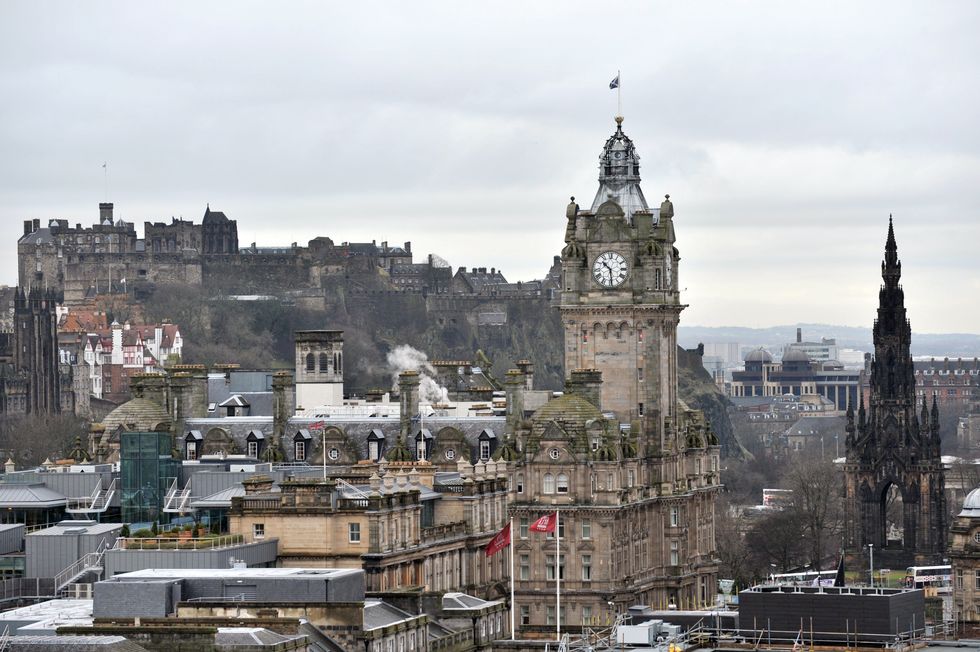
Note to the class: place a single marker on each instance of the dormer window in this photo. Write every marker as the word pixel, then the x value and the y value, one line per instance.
pixel 422 440
pixel 486 443
pixel 376 440
pixel 300 445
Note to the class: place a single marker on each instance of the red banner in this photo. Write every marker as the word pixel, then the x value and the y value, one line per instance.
pixel 499 542
pixel 546 523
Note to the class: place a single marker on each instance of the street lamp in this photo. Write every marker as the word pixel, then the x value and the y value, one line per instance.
pixel 871 563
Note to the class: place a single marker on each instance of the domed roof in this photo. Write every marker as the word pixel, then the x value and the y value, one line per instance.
pixel 759 355
pixel 971 505
pixel 796 355
pixel 138 415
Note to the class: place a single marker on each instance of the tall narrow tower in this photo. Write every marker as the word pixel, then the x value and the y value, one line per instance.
pixel 619 304
pixel 894 485
pixel 631 470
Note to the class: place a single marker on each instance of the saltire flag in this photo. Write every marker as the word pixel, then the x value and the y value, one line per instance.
pixel 614 83
pixel 499 542
pixel 839 579
pixel 546 523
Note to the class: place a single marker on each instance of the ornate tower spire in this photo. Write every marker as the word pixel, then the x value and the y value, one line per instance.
pixel 892 374
pixel 619 174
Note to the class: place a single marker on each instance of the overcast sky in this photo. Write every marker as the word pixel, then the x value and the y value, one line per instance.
pixel 785 133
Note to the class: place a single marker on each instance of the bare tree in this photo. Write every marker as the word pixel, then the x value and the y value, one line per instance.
pixel 736 557
pixel 816 486
pixel 776 542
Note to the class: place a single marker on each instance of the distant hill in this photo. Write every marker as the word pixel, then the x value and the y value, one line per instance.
pixel 966 345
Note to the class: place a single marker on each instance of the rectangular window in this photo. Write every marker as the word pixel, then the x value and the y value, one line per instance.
pixel 258 530
pixel 561 531
pixel 586 568
pixel 959 579
pixel 300 451
pixel 639 373
pixel 484 450
pixel 525 614
pixel 523 527
pixel 192 450
pixel 586 529
pixel 630 477
pixel 640 409
pixel 550 616
pixel 253 449
pixel 587 615
pixel 549 567
pixel 675 553
pixel 520 483
pixel 675 516
pixel 976 579
pixel 525 567
pixel 354 532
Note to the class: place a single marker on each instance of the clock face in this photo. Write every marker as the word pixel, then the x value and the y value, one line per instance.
pixel 618 155
pixel 610 269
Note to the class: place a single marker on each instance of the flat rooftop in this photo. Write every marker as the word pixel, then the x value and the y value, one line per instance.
pixel 235 573
pixel 51 614
pixel 75 528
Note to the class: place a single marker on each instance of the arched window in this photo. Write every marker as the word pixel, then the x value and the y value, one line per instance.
pixel 548 484
pixel 420 449
pixel 562 483
pixel 324 362
pixel 310 362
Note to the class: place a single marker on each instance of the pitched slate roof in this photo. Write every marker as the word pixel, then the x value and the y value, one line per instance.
pixel 381 614
pixel 29 496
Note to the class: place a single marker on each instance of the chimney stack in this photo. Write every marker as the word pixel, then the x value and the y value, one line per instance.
pixel 408 393
pixel 526 367
pixel 514 386
pixel 586 383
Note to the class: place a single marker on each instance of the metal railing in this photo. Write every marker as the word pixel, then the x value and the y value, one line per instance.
pixel 178 543
pixel 95 503
pixel 87 562
pixel 5 638
pixel 176 500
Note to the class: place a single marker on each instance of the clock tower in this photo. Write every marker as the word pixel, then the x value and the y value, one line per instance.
pixel 619 303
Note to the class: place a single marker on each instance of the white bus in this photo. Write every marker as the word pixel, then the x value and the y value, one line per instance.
pixel 936 577
pixel 805 578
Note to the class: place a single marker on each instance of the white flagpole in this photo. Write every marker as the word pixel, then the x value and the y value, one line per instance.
pixel 619 93
pixel 558 574
pixel 512 605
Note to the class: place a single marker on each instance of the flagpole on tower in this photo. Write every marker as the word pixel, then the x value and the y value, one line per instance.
pixel 619 94
pixel 105 173
pixel 558 574
pixel 512 606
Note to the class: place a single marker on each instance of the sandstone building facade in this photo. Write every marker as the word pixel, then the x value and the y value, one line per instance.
pixel 631 469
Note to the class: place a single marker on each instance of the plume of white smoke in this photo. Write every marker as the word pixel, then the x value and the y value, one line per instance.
pixel 406 358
